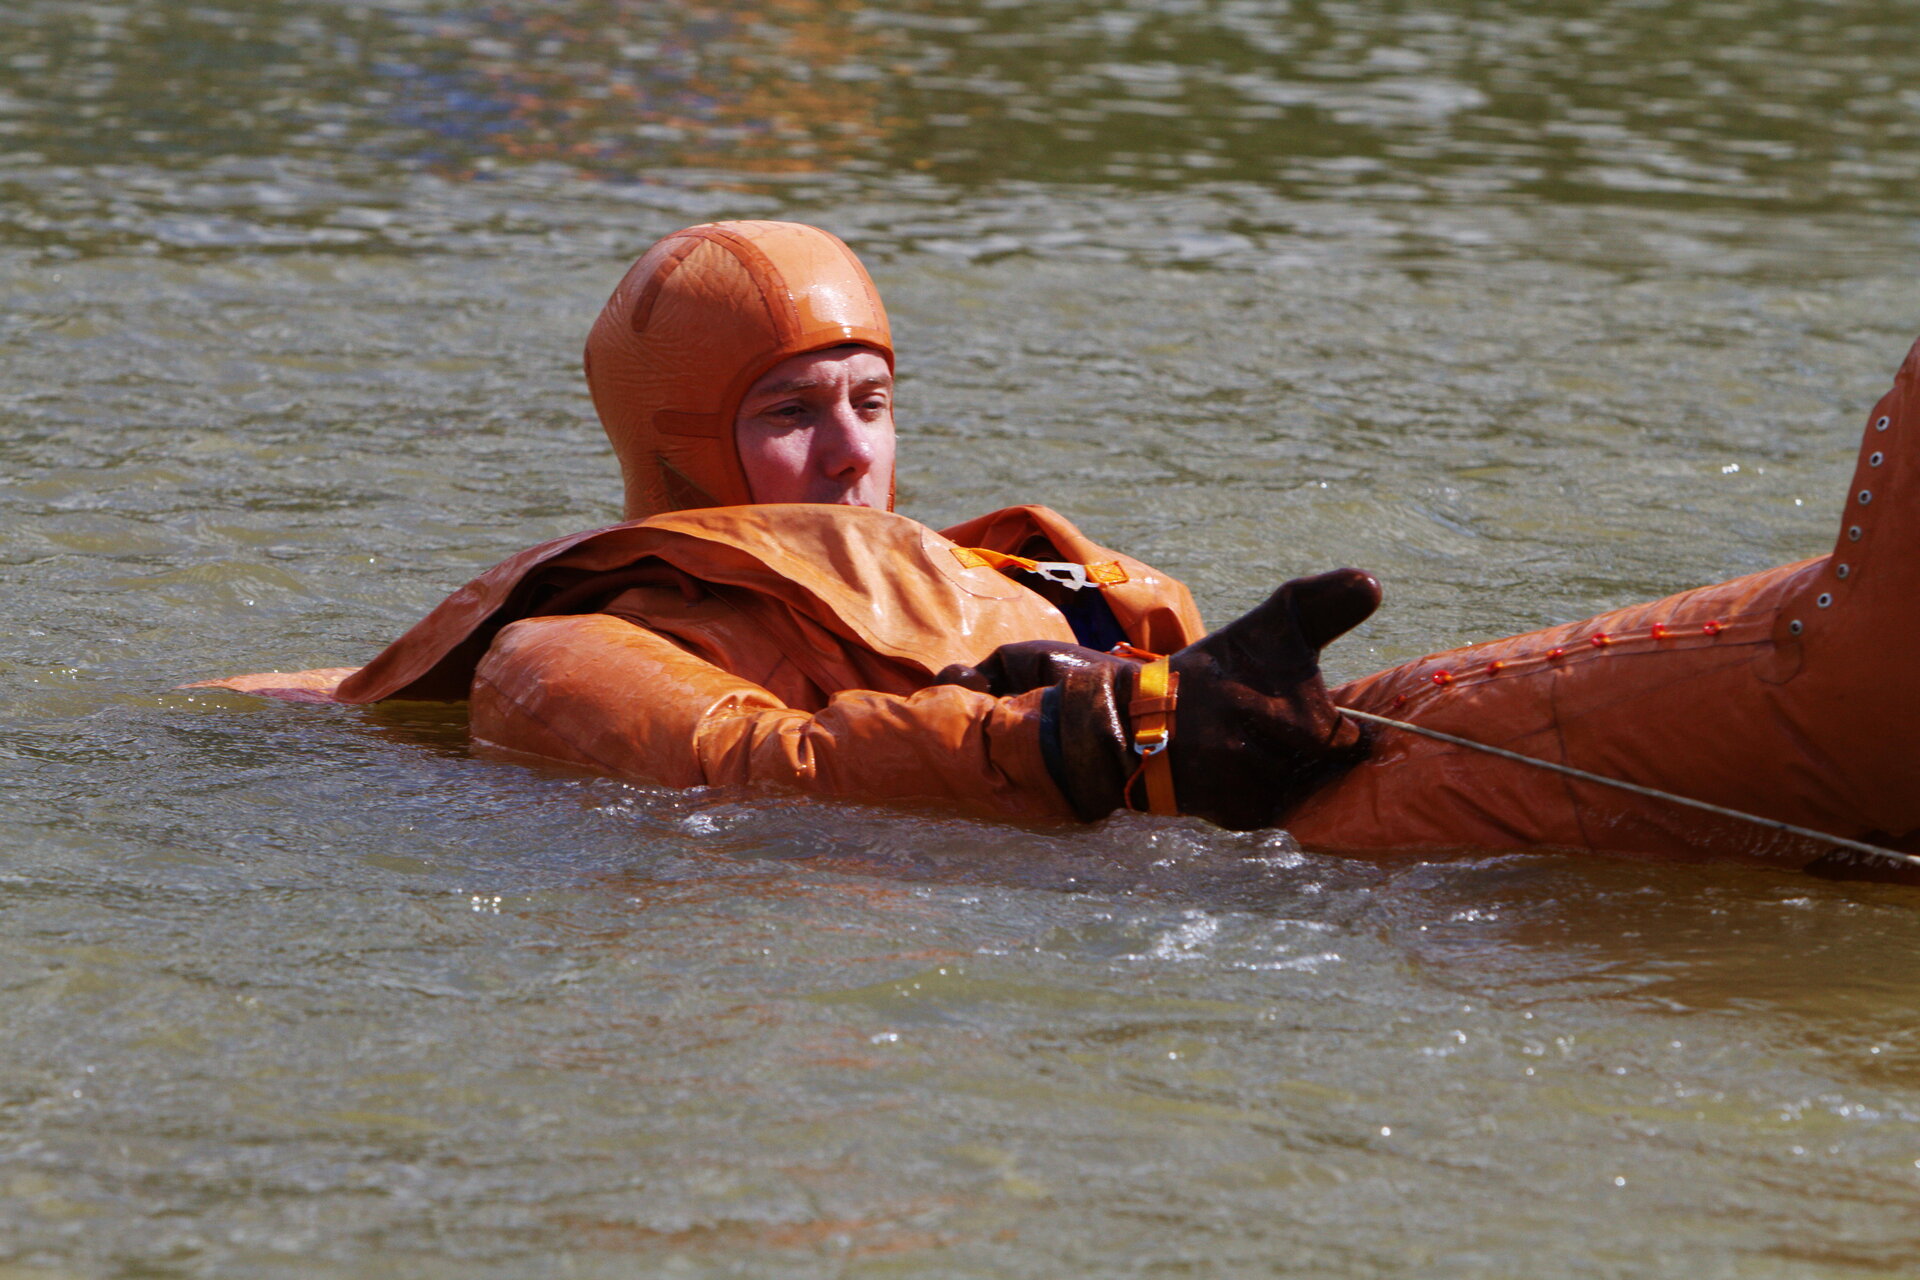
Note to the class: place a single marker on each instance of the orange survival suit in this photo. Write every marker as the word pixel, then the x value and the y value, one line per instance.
pixel 711 641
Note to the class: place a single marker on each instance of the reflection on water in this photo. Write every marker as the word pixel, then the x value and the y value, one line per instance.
pixel 613 90
pixel 320 124
pixel 1531 308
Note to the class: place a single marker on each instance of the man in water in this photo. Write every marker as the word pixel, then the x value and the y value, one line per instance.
pixel 764 618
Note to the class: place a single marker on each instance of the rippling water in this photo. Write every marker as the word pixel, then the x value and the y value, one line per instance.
pixel 1530 308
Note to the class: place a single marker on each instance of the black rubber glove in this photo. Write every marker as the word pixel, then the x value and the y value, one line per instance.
pixel 1254 731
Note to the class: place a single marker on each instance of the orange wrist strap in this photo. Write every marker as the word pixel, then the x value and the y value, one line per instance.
pixel 1155 691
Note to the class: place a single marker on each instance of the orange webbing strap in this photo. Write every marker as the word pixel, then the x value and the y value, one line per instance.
pixel 1107 573
pixel 1155 690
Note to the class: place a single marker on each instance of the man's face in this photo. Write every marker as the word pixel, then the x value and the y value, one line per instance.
pixel 819 428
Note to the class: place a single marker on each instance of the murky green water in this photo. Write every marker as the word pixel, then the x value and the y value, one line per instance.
pixel 1530 308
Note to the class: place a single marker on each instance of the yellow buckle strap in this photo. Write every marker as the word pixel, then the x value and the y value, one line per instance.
pixel 1156 689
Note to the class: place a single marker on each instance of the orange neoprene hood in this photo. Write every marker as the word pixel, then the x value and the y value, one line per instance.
pixel 690 328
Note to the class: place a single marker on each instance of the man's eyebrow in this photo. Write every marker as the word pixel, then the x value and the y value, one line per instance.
pixel 791 384
pixel 805 383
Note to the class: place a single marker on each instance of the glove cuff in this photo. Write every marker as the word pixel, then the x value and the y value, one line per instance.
pixel 1083 740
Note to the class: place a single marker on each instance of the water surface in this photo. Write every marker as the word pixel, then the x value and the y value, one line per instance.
pixel 1529 308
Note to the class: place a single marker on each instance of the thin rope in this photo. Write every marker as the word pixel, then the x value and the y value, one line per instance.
pixel 1636 788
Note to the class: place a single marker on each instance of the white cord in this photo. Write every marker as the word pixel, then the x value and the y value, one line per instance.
pixel 1636 788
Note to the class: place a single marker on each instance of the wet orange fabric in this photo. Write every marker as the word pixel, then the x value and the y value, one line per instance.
pixel 696 320
pixel 1793 694
pixel 788 645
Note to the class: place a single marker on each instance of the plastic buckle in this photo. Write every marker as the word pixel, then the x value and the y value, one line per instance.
pixel 1151 742
pixel 1069 575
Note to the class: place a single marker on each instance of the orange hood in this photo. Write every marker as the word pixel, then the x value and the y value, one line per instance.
pixel 693 324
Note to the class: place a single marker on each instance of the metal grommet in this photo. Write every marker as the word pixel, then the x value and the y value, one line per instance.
pixel 1876 459
pixel 1795 626
pixel 1826 598
pixel 1866 496
pixel 1841 571
pixel 1883 423
pixel 1853 534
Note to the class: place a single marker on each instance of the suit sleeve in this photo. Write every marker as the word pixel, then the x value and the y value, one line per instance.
pixel 604 694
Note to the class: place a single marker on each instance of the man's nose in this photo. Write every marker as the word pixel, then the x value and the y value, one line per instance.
pixel 849 447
